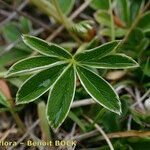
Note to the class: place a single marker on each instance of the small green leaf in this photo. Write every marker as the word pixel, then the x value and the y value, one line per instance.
pixel 118 61
pixel 99 89
pixel 32 64
pixel 66 5
pixel 22 46
pixel 134 43
pixel 123 9
pixel 135 6
pixel 103 18
pixel 11 32
pixel 76 119
pixel 96 53
pixel 12 56
pixel 93 43
pixel 61 97
pixel 25 25
pixel 45 48
pixel 144 22
pixel 38 84
pixel 100 4
pixel 119 32
pixel 145 66
pixel 135 37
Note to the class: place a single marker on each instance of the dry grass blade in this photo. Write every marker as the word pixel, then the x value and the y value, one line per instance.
pixel 26 134
pixel 4 135
pixel 131 133
pixel 102 132
pixel 84 102
pixel 13 15
pixel 85 135
pixel 34 20
pixel 141 99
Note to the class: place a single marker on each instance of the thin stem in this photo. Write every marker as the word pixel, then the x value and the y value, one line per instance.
pixel 46 7
pixel 132 27
pixel 9 103
pixel 146 7
pixel 135 23
pixel 100 114
pixel 18 121
pixel 84 102
pixel 27 16
pixel 141 99
pixel 14 14
pixel 102 132
pixel 67 23
pixel 112 22
pixel 73 16
pixel 25 135
pixel 124 134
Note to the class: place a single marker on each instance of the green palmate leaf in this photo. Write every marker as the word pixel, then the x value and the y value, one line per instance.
pixel 96 53
pixel 38 84
pixel 61 97
pixel 45 48
pixel 118 61
pixel 99 89
pixel 33 64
